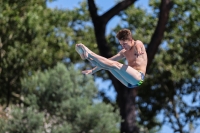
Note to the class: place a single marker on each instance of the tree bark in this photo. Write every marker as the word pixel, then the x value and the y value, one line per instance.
pixel 126 96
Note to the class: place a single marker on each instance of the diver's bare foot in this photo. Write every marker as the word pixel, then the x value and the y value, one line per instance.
pixel 86 51
pixel 80 51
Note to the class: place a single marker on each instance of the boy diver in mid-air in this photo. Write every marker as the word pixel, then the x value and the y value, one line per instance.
pixel 131 75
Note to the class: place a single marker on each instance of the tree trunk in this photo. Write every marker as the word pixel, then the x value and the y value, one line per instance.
pixel 126 102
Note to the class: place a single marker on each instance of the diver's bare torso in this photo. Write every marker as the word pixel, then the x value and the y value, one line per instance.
pixel 138 62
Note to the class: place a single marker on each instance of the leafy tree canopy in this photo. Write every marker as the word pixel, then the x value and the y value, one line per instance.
pixel 60 100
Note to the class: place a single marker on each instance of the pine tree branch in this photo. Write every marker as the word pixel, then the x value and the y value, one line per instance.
pixel 158 35
pixel 110 13
pixel 176 115
pixel 116 9
pixel 93 10
pixel 17 97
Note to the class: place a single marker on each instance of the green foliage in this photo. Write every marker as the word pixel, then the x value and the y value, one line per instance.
pixel 30 40
pixel 34 37
pixel 24 121
pixel 52 92
pixel 61 100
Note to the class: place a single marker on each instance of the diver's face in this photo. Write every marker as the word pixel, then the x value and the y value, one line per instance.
pixel 126 44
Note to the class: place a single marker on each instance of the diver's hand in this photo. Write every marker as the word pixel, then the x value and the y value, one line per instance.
pixel 86 72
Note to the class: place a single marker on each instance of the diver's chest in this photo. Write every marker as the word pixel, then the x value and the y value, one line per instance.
pixel 131 55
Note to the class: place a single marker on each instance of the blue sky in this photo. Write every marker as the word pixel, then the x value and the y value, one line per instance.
pixel 104 6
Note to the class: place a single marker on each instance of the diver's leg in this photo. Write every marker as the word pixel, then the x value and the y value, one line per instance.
pixel 128 73
pixel 117 75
